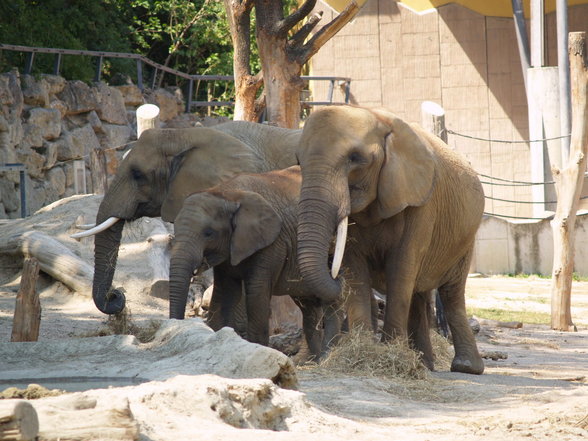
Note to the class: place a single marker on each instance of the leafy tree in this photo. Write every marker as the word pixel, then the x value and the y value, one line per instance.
pixel 71 24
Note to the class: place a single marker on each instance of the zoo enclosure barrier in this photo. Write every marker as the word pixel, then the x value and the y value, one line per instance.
pixel 513 183
pixel 160 69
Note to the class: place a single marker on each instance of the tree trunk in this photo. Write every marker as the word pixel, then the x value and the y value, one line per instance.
pixel 281 71
pixel 568 184
pixel 18 421
pixel 246 85
pixel 27 312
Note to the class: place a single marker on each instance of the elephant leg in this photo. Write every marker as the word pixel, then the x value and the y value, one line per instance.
pixel 312 314
pixel 334 315
pixel 257 299
pixel 402 266
pixel 224 302
pixel 418 329
pixel 467 358
pixel 357 294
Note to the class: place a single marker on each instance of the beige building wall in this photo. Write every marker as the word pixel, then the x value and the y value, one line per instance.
pixel 467 63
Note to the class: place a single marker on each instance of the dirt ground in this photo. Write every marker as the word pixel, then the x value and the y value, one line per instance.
pixel 539 392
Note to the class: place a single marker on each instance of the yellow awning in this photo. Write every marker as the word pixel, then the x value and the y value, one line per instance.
pixel 494 8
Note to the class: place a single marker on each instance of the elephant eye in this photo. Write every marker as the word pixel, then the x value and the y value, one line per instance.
pixel 208 232
pixel 137 174
pixel 355 157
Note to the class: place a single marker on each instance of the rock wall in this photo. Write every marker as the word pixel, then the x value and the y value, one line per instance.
pixel 47 123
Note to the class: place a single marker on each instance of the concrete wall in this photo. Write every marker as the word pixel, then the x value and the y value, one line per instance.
pixel 467 63
pixel 504 247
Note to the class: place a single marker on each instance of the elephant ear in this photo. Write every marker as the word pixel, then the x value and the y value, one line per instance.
pixel 408 175
pixel 213 160
pixel 255 226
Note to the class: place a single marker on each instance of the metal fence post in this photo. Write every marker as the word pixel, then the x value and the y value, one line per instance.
pixel 29 63
pixel 57 64
pixel 98 69
pixel 189 97
pixel 23 193
pixel 140 74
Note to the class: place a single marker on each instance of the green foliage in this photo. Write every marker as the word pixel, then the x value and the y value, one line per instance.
pixel 71 24
pixel 503 315
pixel 192 36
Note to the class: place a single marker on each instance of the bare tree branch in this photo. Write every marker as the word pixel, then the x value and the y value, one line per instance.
pixel 299 37
pixel 328 31
pixel 285 25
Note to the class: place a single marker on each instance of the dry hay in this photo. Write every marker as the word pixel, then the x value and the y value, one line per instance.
pixel 32 392
pixel 123 324
pixel 359 353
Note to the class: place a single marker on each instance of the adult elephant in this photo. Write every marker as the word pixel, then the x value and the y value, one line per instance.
pixel 414 207
pixel 165 166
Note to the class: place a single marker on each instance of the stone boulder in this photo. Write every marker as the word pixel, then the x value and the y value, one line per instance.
pixel 132 95
pixel 42 124
pixel 78 97
pixel 111 104
pixel 170 104
pixel 35 92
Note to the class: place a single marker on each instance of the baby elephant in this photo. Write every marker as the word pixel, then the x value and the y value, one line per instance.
pixel 245 228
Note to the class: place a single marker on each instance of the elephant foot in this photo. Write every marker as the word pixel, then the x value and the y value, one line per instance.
pixel 467 366
pixel 428 362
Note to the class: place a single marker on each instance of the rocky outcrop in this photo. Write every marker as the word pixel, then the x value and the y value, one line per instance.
pixel 47 123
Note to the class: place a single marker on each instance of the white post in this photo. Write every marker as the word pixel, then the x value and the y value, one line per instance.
pixel 147 118
pixel 433 119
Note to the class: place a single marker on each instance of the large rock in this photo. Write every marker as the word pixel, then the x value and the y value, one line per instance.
pixel 180 347
pixel 114 135
pixel 42 124
pixel 56 179
pixel 11 108
pixel 77 144
pixel 132 95
pixel 9 196
pixel 55 83
pixel 170 104
pixel 78 97
pixel 32 160
pixel 35 92
pixel 111 104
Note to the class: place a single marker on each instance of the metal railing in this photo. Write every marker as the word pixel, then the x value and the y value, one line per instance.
pixel 157 68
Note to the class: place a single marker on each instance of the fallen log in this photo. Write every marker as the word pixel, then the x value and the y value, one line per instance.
pixel 54 258
pixel 18 421
pixel 80 417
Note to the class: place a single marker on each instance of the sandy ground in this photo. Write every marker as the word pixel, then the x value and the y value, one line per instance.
pixel 539 392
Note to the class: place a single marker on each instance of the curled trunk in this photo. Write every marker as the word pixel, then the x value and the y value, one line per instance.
pixel 316 225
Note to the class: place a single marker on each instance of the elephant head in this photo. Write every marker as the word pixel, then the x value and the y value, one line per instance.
pixel 359 162
pixel 163 167
pixel 215 227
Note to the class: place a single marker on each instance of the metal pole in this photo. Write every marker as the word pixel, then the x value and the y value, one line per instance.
pixel 98 69
pixel 563 61
pixel 537 33
pixel 23 194
pixel 57 64
pixel 29 63
pixel 331 87
pixel 140 75
pixel 189 97
pixel 522 38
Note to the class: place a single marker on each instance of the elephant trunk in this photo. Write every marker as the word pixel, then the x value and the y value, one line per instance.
pixel 317 221
pixel 106 245
pixel 181 269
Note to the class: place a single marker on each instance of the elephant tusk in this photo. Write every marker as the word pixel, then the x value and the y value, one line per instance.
pixel 85 226
pixel 339 247
pixel 97 229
